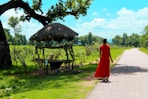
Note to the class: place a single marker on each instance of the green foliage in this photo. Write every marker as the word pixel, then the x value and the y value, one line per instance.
pixel 144 37
pixel 125 40
pixel 146 29
pixel 90 39
pixel 5 92
pixel 22 55
pixel 18 39
pixel 37 5
pixel 78 6
pixel 134 40
pixel 14 23
pixel 9 37
pixel 64 8
pixel 117 40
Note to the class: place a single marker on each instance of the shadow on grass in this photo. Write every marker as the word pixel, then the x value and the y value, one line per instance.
pixel 124 69
pixel 21 82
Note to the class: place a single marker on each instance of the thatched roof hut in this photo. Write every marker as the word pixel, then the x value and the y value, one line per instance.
pixel 54 31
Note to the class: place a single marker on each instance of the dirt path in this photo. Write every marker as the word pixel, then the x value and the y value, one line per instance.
pixel 128 79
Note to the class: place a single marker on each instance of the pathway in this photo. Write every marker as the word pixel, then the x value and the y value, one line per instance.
pixel 128 79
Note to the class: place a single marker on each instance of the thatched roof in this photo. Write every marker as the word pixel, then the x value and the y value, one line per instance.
pixel 55 31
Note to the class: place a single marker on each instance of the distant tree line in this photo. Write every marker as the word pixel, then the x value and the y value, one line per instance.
pixel 17 39
pixel 125 40
pixel 134 40
pixel 88 39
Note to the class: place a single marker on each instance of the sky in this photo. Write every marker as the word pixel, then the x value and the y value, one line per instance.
pixel 105 18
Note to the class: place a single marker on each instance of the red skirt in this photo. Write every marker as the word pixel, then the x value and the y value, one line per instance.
pixel 103 69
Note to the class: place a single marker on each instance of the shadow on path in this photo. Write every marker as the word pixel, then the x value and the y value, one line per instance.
pixel 124 69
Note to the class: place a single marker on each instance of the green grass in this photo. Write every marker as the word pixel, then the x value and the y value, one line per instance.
pixel 145 50
pixel 64 85
pixel 52 86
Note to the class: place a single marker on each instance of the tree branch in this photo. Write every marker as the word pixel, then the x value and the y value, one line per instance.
pixel 19 3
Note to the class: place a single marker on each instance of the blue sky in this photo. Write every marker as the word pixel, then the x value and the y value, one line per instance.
pixel 105 18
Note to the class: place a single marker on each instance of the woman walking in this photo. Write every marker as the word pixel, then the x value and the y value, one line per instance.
pixel 103 69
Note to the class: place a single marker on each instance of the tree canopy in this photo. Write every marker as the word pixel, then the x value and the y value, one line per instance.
pixel 59 11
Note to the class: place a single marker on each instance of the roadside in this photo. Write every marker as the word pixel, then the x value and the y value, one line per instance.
pixel 128 78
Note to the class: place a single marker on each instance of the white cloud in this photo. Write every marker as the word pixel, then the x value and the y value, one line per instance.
pixel 28 28
pixel 131 21
pixel 124 12
pixel 12 12
pixel 95 13
pixel 127 21
pixel 104 9
pixel 98 22
pixel 108 14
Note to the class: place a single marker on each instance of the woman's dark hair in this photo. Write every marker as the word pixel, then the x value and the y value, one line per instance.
pixel 104 41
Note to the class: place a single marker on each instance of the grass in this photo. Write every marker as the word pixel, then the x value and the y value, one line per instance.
pixel 65 86
pixel 145 50
pixel 52 86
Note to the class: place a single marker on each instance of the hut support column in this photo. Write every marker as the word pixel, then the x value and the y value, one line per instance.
pixel 72 54
pixel 67 63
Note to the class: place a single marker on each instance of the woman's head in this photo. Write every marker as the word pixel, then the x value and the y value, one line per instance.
pixel 104 41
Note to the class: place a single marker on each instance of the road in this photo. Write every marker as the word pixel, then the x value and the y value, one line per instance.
pixel 128 79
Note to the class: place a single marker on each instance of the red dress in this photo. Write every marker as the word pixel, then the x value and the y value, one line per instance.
pixel 103 69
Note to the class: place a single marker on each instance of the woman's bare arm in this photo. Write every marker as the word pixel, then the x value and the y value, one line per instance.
pixel 110 57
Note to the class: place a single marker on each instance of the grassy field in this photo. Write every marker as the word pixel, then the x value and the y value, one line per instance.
pixel 145 50
pixel 15 84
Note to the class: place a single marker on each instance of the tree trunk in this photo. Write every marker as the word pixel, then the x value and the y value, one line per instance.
pixel 5 58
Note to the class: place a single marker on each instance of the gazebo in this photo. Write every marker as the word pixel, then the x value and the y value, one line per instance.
pixel 57 33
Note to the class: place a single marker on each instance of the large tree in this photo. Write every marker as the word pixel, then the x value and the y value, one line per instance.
pixel 59 11
pixel 13 22
pixel 18 39
pixel 117 40
pixel 144 37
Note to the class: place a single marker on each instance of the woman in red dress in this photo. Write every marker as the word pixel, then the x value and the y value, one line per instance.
pixel 103 69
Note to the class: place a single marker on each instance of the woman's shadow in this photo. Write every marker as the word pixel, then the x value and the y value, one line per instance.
pixel 124 69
